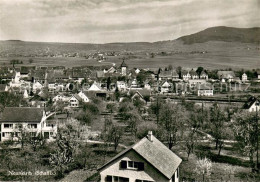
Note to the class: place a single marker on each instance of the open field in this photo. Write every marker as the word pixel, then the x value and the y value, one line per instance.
pixel 216 54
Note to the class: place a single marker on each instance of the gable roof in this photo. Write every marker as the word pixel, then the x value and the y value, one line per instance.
pixel 250 102
pixel 123 64
pixel 95 87
pixel 22 114
pixel 225 74
pixel 156 153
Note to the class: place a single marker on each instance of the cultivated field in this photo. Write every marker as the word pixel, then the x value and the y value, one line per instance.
pixel 210 55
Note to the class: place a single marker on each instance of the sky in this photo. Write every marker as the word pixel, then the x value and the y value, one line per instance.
pixel 104 21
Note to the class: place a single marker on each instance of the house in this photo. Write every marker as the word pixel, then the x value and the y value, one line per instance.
pixel 194 75
pixel 134 84
pixel 37 86
pixel 165 75
pixel 175 75
pixel 258 75
pixel 121 85
pixel 26 119
pixel 123 68
pixel 140 94
pixel 185 75
pixel 148 160
pixel 194 83
pixel 147 85
pixel 165 87
pixel 110 70
pixel 83 96
pixel 95 90
pixel 244 78
pixel 252 105
pixel 204 75
pixel 226 76
pixel 74 101
pixel 95 87
pixel 205 90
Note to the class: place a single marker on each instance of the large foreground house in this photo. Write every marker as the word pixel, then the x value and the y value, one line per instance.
pixel 17 120
pixel 148 160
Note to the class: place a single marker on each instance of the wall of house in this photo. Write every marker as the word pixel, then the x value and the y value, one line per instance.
pixel 149 173
pixel 254 108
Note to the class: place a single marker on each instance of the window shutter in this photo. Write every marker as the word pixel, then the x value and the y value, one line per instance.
pixel 123 164
pixel 140 166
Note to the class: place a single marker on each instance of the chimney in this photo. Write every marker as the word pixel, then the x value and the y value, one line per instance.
pixel 150 136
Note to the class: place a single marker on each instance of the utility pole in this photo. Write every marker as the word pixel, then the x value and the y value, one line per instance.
pixel 257 137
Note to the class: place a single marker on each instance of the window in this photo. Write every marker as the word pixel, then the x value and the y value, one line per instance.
pixel 108 179
pixel 46 135
pixel 32 125
pixel 132 165
pixel 3 134
pixel 8 125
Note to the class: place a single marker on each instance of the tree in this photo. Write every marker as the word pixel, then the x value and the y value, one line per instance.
pixel 217 119
pixel 204 167
pixel 245 126
pixel 111 107
pixel 23 134
pixel 147 98
pixel 108 83
pixel 85 116
pixel 170 67
pixel 155 108
pixel 199 70
pixel 133 121
pixel 10 100
pixel 36 141
pixel 172 118
pixel 114 135
pixel 64 155
pixel 179 70
pixel 30 60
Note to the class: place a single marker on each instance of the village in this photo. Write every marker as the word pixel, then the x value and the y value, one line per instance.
pixel 111 108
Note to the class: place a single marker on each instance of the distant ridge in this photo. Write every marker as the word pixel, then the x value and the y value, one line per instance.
pixel 14 40
pixel 226 34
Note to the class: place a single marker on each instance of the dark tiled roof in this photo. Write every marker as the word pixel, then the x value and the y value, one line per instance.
pixel 22 114
pixel 156 153
pixel 193 73
pixel 123 64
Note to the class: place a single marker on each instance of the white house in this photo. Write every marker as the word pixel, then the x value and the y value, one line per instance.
pixel 37 86
pixel 26 119
pixel 74 100
pixel 121 85
pixel 252 105
pixel 166 87
pixel 148 160
pixel 204 90
pixel 204 75
pixel 226 76
pixel 244 78
pixel 185 75
pixel 134 84
pixel 83 96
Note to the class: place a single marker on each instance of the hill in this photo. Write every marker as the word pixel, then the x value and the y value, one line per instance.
pixel 226 34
